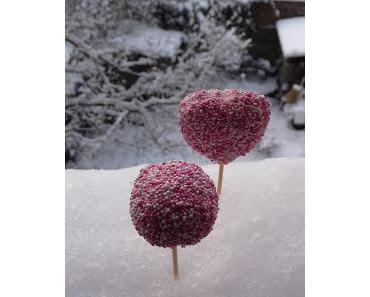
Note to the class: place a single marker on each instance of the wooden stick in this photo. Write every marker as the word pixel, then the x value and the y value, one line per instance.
pixel 175 263
pixel 220 176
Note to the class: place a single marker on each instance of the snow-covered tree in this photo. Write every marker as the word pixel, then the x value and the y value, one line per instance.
pixel 109 84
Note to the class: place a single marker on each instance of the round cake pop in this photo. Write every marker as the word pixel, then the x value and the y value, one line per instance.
pixel 223 125
pixel 173 203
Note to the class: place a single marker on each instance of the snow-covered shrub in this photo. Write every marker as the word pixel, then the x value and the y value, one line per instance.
pixel 119 65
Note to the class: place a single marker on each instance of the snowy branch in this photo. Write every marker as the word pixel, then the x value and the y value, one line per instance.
pixel 96 57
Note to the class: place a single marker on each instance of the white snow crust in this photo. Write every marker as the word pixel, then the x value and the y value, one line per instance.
pixel 292 36
pixel 255 249
pixel 148 40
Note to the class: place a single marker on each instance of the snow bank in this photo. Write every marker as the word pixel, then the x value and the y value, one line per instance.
pixel 255 249
pixel 148 40
pixel 292 38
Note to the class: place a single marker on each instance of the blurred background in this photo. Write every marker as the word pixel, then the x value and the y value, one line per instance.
pixel 129 63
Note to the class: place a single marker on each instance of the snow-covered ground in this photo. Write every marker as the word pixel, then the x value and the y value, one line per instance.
pixel 135 145
pixel 255 249
pixel 147 40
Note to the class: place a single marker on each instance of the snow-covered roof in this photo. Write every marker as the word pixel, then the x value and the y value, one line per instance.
pixel 256 247
pixel 291 35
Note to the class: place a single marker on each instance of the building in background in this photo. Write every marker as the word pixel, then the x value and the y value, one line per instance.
pixel 280 38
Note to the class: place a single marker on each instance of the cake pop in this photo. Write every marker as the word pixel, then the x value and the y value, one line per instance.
pixel 223 125
pixel 173 203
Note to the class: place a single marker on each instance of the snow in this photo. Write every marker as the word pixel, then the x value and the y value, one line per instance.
pixel 68 49
pixel 148 40
pixel 243 1
pixel 291 108
pixel 71 79
pixel 264 87
pixel 71 82
pixel 255 249
pixel 292 36
pixel 299 117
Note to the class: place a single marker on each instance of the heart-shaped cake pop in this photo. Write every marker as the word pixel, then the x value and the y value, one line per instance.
pixel 223 125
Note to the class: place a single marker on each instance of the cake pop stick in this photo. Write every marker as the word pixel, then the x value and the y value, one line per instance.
pixel 173 203
pixel 175 263
pixel 220 176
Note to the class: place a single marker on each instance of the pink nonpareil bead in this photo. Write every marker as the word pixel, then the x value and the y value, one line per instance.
pixel 180 208
pixel 223 125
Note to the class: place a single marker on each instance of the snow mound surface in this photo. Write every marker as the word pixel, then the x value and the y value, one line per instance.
pixel 149 40
pixel 255 249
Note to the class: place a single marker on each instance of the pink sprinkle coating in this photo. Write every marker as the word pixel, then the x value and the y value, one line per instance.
pixel 173 203
pixel 223 125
